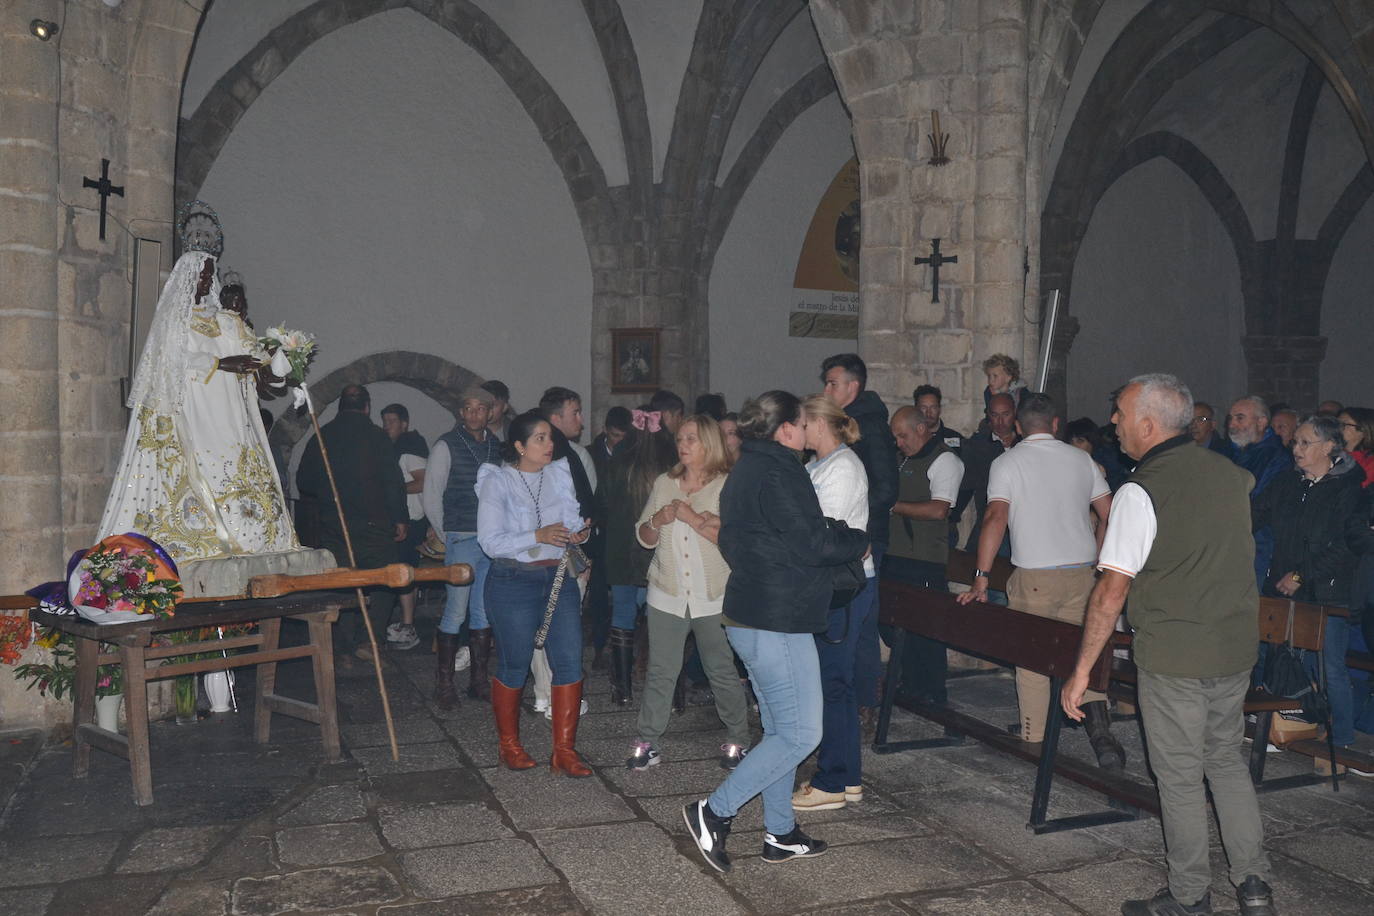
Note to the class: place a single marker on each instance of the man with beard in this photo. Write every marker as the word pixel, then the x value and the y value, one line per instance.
pixel 1259 450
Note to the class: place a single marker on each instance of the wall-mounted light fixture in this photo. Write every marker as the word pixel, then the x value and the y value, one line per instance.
pixel 42 29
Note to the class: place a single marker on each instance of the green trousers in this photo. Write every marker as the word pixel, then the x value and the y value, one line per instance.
pixel 667 637
pixel 1193 730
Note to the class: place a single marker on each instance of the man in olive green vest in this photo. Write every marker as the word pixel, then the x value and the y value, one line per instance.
pixel 1178 542
pixel 928 477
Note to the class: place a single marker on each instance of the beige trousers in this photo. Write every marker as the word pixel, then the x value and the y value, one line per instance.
pixel 1060 594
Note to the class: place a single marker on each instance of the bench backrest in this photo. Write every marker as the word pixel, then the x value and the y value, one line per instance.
pixel 1038 644
pixel 1309 623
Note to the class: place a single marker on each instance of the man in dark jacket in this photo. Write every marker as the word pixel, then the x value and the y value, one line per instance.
pixel 373 497
pixel 846 378
pixel 1259 450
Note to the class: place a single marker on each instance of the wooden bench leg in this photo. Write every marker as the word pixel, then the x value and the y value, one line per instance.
pixel 270 630
pixel 83 703
pixel 136 715
pixel 894 675
pixel 323 661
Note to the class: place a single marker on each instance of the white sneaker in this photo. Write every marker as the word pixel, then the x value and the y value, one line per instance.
pixel 547 710
pixel 463 660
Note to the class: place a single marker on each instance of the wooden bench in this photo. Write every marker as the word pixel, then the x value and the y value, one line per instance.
pixel 134 650
pixel 1010 637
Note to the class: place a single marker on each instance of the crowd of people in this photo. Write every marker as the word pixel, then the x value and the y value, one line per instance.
pixel 750 545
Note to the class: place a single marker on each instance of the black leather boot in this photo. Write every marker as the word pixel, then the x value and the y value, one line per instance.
pixel 622 646
pixel 1110 754
pixel 445 694
pixel 479 681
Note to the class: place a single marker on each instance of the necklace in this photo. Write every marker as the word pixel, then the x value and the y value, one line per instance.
pixel 534 495
pixel 475 460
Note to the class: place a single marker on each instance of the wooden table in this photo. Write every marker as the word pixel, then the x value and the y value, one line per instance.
pixel 134 650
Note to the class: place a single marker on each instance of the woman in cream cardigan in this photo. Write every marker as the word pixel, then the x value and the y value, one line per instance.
pixel 687 576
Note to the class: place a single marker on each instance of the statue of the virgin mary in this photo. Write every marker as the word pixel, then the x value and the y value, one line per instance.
pixel 196 474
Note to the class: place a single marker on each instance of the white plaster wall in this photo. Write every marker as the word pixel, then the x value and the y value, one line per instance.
pixel 793 55
pixel 1346 311
pixel 751 290
pixel 387 191
pixel 558 39
pixel 663 32
pixel 231 29
pixel 1156 288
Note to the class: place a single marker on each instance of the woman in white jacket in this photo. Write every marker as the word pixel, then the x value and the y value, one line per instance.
pixel 842 489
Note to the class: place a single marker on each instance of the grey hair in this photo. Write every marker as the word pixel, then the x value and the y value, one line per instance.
pixel 1165 399
pixel 1261 407
pixel 1328 430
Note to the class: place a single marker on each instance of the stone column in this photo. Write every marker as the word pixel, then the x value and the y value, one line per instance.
pixel 30 465
pixel 1284 368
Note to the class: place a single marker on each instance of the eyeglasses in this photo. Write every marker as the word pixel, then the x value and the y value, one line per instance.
pixel 1351 425
pixel 1201 420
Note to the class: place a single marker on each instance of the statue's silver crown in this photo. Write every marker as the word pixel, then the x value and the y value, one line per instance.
pixel 200 228
pixel 228 278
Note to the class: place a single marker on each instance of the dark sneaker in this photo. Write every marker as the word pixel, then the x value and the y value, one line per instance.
pixel 794 845
pixel 709 831
pixel 643 757
pixel 1165 904
pixel 731 755
pixel 1256 899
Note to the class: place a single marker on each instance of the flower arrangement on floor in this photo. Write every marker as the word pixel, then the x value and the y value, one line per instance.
pixel 58 676
pixel 16 632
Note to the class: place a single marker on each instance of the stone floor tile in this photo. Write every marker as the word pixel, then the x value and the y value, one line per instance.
pixel 626 869
pixel 839 832
pixel 851 873
pixel 1007 898
pixel 408 731
pixel 202 898
pixel 479 742
pixel 46 859
pixel 1341 852
pixel 60 804
pixel 1100 888
pixel 865 908
pixel 540 798
pixel 414 758
pixel 244 854
pixel 679 777
pixel 666 811
pixel 328 805
pixel 441 825
pixel 27 901
pixel 189 805
pixel 1301 890
pixel 315 889
pixel 451 785
pixel 548 900
pixel 123 896
pixel 165 848
pixel 451 871
pixel 327 844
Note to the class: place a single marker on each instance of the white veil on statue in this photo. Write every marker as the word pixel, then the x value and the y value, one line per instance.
pixel 160 380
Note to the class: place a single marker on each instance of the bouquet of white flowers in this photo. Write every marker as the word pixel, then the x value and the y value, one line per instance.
pixel 290 351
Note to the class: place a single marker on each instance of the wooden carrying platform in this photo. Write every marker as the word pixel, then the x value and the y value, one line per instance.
pixel 134 640
pixel 1010 637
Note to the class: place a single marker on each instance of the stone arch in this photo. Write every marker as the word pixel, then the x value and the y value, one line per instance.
pixel 203 134
pixel 428 374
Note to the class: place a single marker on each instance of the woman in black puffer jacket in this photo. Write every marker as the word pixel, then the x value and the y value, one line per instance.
pixel 782 553
pixel 1320 518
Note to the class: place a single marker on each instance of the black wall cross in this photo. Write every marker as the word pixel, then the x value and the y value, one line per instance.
pixel 104 189
pixel 935 260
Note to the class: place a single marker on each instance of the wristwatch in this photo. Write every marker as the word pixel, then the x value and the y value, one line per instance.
pixel 983 573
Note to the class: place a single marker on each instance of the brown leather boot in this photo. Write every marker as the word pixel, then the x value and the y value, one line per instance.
pixel 445 695
pixel 505 709
pixel 566 700
pixel 479 642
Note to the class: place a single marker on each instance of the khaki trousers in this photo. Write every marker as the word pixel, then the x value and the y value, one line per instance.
pixel 1060 594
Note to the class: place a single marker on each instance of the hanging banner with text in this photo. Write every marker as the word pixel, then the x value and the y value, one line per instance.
pixel 826 301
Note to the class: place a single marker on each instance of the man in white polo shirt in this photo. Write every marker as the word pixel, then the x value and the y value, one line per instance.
pixel 1048 493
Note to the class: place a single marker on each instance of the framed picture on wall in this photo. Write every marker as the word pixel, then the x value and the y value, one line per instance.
pixel 634 359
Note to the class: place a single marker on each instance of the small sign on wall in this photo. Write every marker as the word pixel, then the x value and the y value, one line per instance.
pixel 827 278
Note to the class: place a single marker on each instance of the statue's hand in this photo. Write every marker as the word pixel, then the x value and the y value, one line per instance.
pixel 241 365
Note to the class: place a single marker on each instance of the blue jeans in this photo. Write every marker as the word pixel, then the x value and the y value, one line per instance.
pixel 626 600
pixel 838 762
pixel 1338 687
pixel 787 681
pixel 868 663
pixel 518 596
pixel 465 600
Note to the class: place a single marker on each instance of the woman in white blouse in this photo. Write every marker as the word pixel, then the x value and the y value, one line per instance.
pixel 842 489
pixel 527 517
pixel 687 576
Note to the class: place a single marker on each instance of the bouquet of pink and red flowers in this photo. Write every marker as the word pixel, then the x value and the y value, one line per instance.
pixel 118 578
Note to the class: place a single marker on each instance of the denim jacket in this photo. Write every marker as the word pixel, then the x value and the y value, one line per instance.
pixel 506 520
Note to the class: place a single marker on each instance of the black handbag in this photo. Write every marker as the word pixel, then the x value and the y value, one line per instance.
pixel 848 578
pixel 1286 675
